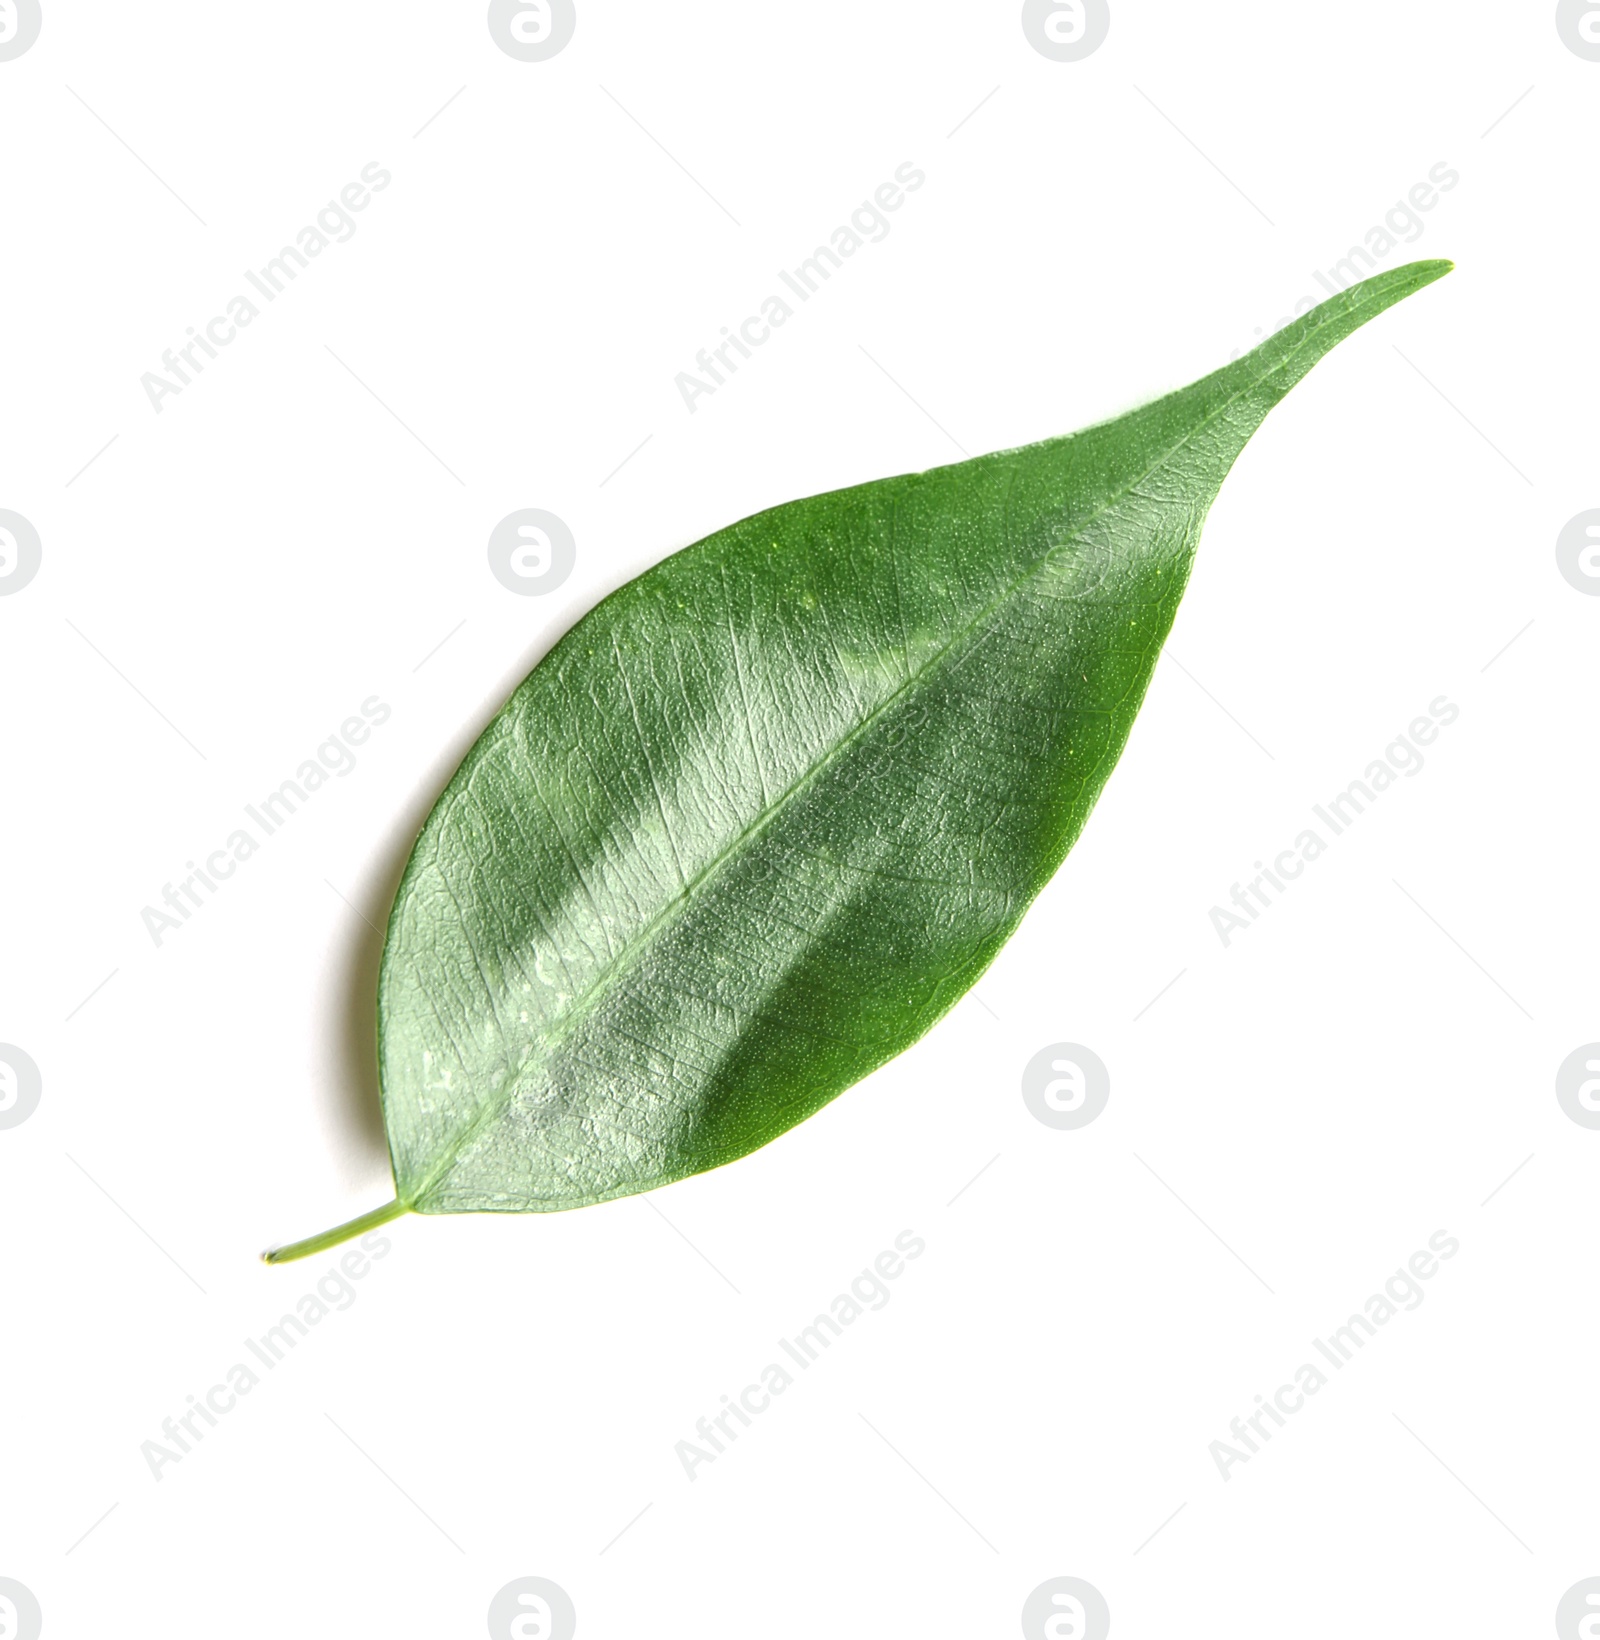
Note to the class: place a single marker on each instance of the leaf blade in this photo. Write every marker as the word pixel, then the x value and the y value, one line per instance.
pixel 722 853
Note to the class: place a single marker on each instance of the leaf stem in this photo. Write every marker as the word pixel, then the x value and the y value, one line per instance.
pixel 332 1238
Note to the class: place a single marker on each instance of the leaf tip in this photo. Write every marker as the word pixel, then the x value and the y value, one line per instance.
pixel 1415 276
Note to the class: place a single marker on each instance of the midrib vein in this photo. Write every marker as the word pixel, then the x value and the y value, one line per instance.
pixel 632 953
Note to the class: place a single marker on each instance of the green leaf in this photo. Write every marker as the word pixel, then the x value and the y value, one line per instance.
pixel 762 816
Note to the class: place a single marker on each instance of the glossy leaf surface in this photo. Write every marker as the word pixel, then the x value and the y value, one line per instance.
pixel 762 816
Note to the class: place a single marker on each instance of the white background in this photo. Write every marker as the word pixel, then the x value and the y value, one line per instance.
pixel 1288 1123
